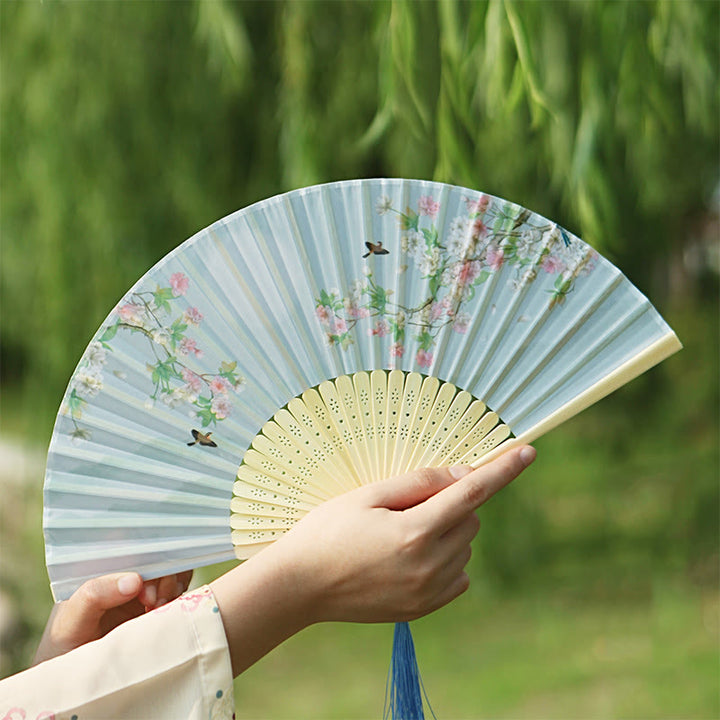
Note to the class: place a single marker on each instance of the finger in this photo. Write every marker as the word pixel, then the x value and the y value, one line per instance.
pixel 405 491
pixel 149 594
pixel 96 596
pixel 463 533
pixel 183 581
pixel 166 589
pixel 446 508
pixel 453 589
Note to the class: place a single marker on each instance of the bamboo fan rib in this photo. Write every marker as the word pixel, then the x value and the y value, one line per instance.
pixel 317 341
pixel 350 432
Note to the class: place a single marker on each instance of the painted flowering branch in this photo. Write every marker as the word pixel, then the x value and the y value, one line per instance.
pixel 477 244
pixel 149 313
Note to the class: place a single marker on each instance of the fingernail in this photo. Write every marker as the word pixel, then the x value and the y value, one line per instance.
pixel 150 595
pixel 128 584
pixel 527 455
pixel 459 471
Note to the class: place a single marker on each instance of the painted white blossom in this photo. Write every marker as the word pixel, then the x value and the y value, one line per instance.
pixel 459 236
pixel 573 254
pixel 173 398
pixel 187 392
pixel 553 237
pixel 430 263
pixel 413 243
pixel 95 355
pixel 383 205
pixel 357 288
pixel 161 336
pixel 87 382
pixel 526 244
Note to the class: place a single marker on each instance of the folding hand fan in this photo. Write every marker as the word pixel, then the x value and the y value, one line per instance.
pixel 317 341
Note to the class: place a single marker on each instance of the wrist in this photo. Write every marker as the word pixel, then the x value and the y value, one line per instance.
pixel 262 603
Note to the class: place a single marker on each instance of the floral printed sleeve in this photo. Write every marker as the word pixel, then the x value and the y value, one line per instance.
pixel 171 663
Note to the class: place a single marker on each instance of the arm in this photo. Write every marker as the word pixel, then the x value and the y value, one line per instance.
pixel 102 604
pixel 390 551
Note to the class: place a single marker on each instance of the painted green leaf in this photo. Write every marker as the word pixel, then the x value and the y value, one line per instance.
pixel 109 334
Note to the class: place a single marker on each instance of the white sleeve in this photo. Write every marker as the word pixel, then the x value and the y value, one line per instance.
pixel 172 663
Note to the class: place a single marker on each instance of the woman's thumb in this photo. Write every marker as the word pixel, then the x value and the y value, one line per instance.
pixel 106 592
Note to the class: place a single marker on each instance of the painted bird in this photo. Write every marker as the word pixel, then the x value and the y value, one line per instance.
pixel 375 249
pixel 202 439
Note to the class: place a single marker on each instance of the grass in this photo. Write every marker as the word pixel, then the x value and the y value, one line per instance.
pixel 531 656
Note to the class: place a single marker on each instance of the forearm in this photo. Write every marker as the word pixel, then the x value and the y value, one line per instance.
pixel 262 604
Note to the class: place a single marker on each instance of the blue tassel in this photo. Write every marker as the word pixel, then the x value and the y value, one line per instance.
pixel 404 696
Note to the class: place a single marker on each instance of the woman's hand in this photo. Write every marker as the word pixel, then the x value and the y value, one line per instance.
pixel 394 550
pixel 100 605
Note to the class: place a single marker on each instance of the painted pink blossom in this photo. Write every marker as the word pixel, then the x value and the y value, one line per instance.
pixel 188 346
pixel 397 350
pixel 478 229
pixel 179 283
pixel 221 407
pixel 192 316
pixel 428 206
pixel 339 326
pixel 354 311
pixel 424 358
pixel 495 257
pixel 193 380
pixel 438 309
pixel 477 206
pixel 553 265
pixel 129 312
pixel 466 272
pixel 220 386
pixel 381 328
pixel 462 321
pixel 322 314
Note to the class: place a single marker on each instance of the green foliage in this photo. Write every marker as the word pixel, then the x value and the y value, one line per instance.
pixel 127 126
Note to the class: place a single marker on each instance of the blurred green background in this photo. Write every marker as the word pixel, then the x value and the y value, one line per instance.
pixel 128 126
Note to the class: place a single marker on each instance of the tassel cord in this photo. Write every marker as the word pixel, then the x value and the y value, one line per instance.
pixel 404 690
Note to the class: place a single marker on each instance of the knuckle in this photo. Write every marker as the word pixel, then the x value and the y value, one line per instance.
pixel 425 478
pixel 476 494
pixel 90 592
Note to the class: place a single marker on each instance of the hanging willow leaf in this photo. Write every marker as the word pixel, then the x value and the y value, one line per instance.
pixel 223 33
pixel 524 52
